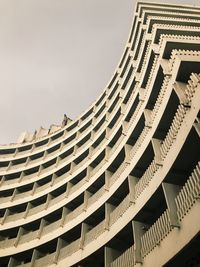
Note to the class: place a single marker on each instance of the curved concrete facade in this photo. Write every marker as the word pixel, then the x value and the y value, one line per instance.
pixel 119 186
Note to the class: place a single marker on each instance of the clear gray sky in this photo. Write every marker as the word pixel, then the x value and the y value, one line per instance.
pixel 56 57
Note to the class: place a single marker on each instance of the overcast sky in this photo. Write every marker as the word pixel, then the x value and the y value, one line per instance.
pixel 56 57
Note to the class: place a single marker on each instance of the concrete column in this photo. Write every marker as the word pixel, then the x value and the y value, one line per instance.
pixel 54 176
pixel 87 195
pixel 107 116
pixel 68 187
pixel 33 147
pixel 12 262
pixel 77 135
pixel 27 161
pixel 49 197
pixel 107 132
pixel 65 212
pixel 165 66
pixel 156 143
pixel 28 207
pixel 75 150
pixel 92 135
pixel 107 153
pixel 108 175
pixel 7 213
pixel 124 127
pixel 57 161
pixel 21 176
pixel 84 229
pixel 42 225
pixel 108 209
pixel 61 146
pixel 147 116
pixel 132 181
pixel 109 256
pixel 2 180
pixel 90 152
pixel 138 230
pixel 123 108
pixel 60 244
pixel 35 186
pixel 73 164
pixel 15 192
pixel 127 152
pixel 180 89
pixel 40 169
pixel 197 127
pixel 89 170
pixel 170 192
pixel 19 234
pixel 142 94
pixel 94 120
pixel 34 257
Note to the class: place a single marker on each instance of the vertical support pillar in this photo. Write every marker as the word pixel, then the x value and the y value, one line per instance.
pixel 40 169
pixel 7 213
pixel 147 116
pixel 84 229
pixel 138 230
pixel 197 126
pixel 125 125
pixel 42 225
pixel 123 109
pixel 61 146
pixel 77 135
pixel 132 181
pixel 68 187
pixel 89 171
pixel 156 143
pixel 60 244
pixel 170 192
pixel 28 207
pixel 35 186
pixel 53 178
pixel 15 192
pixel 87 195
pixel 127 152
pixel 107 116
pixel 19 234
pixel 21 176
pixel 142 92
pixel 2 180
pixel 73 164
pixel 75 150
pixel 65 211
pixel 180 89
pixel 107 132
pixel 109 256
pixel 49 197
pixel 12 262
pixel 108 209
pixel 34 257
pixel 108 176
pixel 27 161
pixel 108 149
pixel 57 161
pixel 90 152
pixel 94 120
pixel 92 135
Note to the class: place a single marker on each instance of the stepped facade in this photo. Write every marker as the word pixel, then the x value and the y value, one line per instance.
pixel 120 185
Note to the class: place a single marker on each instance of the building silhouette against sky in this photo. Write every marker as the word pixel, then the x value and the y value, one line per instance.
pixel 119 186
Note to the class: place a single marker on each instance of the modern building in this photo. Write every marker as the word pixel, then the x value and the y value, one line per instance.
pixel 120 185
